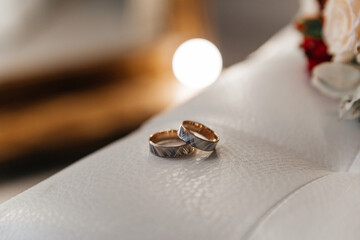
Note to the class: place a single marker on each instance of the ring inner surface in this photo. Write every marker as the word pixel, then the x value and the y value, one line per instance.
pixel 197 128
pixel 167 138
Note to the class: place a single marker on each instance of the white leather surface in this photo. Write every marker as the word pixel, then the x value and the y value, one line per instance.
pixel 279 172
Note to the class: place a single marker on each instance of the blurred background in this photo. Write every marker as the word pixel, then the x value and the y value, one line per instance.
pixel 77 75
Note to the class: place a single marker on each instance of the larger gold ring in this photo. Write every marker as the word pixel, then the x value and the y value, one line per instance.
pixel 198 135
pixel 163 144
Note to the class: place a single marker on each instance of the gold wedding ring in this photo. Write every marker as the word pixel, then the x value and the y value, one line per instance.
pixel 198 135
pixel 168 145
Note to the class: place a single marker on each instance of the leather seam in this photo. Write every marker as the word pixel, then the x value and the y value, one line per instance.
pixel 261 220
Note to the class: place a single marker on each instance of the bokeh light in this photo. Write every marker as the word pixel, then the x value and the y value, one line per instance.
pixel 197 63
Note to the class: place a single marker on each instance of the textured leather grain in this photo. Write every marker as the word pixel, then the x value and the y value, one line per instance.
pixel 279 172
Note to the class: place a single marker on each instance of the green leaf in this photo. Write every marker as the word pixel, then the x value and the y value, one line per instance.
pixel 313 28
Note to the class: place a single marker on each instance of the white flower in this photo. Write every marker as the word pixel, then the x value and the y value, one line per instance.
pixel 308 8
pixel 341 29
pixel 335 80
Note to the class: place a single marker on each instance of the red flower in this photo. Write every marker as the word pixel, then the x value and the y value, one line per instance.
pixel 311 63
pixel 315 50
pixel 320 51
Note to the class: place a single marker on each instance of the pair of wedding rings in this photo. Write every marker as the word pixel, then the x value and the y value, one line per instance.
pixel 191 135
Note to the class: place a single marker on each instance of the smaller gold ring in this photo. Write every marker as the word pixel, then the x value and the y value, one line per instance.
pixel 161 146
pixel 198 135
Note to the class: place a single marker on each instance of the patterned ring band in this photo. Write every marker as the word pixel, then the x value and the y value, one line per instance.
pixel 167 144
pixel 198 135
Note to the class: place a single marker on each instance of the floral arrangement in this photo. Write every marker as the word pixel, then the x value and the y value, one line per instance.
pixel 331 42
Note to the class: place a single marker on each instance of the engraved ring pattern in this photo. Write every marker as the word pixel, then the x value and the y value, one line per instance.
pixel 168 150
pixel 189 132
